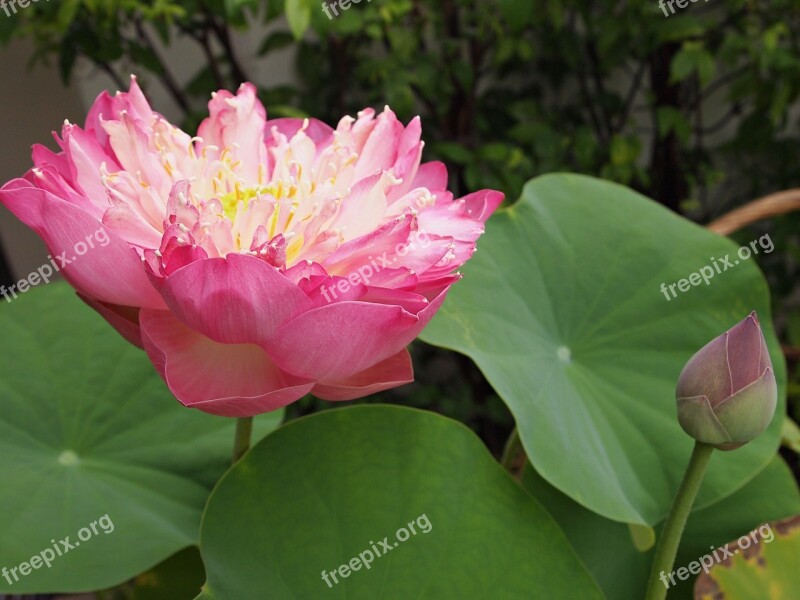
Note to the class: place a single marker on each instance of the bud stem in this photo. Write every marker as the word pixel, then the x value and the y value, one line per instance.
pixel 241 444
pixel 676 521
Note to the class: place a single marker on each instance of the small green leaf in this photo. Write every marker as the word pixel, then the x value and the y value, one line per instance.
pixel 692 58
pixel 671 119
pixel 790 434
pixel 643 537
pixel 298 14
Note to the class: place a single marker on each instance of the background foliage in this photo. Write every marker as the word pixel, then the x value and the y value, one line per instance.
pixel 697 110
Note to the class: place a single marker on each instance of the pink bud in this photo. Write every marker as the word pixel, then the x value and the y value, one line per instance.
pixel 727 392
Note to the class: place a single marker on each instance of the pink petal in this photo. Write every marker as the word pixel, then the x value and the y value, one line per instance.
pixel 102 109
pixel 364 209
pixel 236 300
pixel 745 344
pixel 431 175
pixel 480 205
pixel 319 132
pixel 49 179
pixel 112 273
pixel 410 138
pixel 106 107
pixel 393 372
pixel 410 301
pixel 230 380
pixel 393 246
pixel 237 123
pixel 133 142
pixel 380 150
pixel 85 157
pixel 344 338
pixel 42 156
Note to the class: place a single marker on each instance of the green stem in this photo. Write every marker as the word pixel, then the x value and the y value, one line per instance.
pixel 511 450
pixel 241 444
pixel 676 521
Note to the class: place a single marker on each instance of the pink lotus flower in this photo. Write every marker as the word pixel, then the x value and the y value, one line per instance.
pixel 259 260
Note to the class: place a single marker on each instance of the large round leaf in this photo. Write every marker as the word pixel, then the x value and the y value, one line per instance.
pixel 87 429
pixel 561 308
pixel 320 492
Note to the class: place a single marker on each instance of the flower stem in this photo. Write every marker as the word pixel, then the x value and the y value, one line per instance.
pixel 241 444
pixel 676 521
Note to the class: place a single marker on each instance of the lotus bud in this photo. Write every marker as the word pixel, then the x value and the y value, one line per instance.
pixel 727 392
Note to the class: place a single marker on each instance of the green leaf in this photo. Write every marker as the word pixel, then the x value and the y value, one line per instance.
pixel 691 58
pixel 671 119
pixel 180 576
pixel 67 11
pixel 88 429
pixel 298 14
pixel 624 150
pixel 642 536
pixel 623 573
pixel 563 311
pixel 322 490
pixel 767 568
pixel 790 434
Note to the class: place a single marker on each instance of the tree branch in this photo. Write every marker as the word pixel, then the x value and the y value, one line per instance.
pixel 223 35
pixel 779 203
pixel 637 80
pixel 165 76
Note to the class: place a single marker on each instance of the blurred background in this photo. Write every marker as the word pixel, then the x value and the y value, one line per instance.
pixel 696 107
